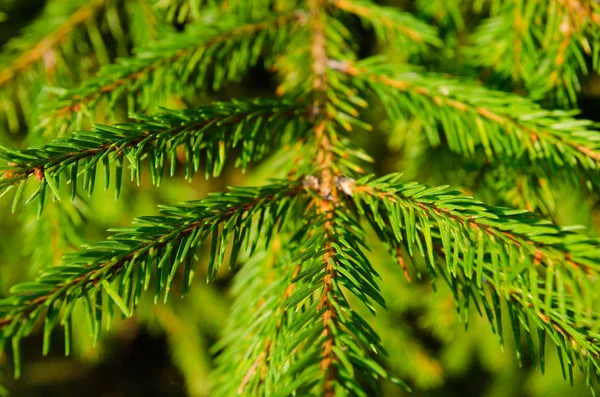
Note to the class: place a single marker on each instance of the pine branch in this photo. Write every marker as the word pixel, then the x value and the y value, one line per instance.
pixel 577 23
pixel 505 127
pixel 512 30
pixel 390 24
pixel 182 11
pixel 156 244
pixel 323 339
pixel 294 328
pixel 333 108
pixel 190 10
pixel 209 132
pixel 576 337
pixel 146 25
pixel 446 11
pixel 215 53
pixel 512 187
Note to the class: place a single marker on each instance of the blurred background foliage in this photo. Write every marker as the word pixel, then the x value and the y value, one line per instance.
pixel 164 350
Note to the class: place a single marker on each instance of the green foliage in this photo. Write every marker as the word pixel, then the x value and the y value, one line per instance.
pixel 406 32
pixel 122 268
pixel 202 55
pixel 542 47
pixel 206 133
pixel 63 45
pixel 303 321
pixel 501 248
pixel 478 122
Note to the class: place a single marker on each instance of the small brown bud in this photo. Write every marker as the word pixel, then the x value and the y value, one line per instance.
pixel 38 173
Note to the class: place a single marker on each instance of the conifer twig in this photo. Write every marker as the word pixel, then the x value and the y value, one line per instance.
pixel 207 131
pixel 390 19
pixel 49 42
pixel 508 129
pixel 129 257
pixel 186 55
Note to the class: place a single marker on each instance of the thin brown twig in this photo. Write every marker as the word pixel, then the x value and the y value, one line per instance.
pixel 327 187
pixel 326 207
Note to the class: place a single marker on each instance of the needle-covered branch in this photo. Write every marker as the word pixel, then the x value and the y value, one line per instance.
pixel 542 272
pixel 506 128
pixel 294 328
pixel 576 336
pixel 207 133
pixel 543 47
pixel 121 268
pixel 515 240
pixel 263 283
pixel 401 29
pixel 203 55
pixel 448 12
pixel 46 50
pixel 44 36
pixel 330 348
pixel 182 11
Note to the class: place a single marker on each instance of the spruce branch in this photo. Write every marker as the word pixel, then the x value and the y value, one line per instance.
pixel 446 11
pixel 544 273
pixel 511 236
pixel 215 53
pixel 563 64
pixel 261 287
pixel 146 25
pixel 182 11
pixel 294 329
pixel 390 24
pixel 576 337
pixel 208 133
pixel 541 47
pixel 330 345
pixel 505 127
pixel 512 30
pixel 45 43
pixel 47 50
pixel 127 261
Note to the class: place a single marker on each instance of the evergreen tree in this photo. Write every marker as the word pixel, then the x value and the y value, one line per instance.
pixel 101 88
